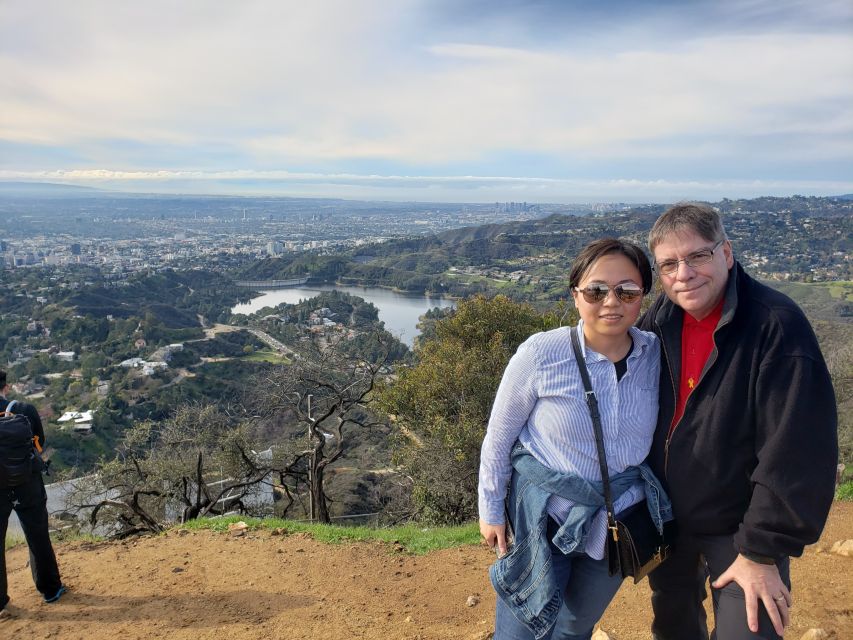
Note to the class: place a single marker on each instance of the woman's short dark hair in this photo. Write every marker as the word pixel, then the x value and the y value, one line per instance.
pixel 607 246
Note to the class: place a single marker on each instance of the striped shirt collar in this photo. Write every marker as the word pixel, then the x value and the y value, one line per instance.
pixel 642 341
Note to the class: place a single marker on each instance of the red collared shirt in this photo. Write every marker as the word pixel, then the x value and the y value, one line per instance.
pixel 697 342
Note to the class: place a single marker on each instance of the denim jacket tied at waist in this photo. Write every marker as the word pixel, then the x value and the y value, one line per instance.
pixel 523 578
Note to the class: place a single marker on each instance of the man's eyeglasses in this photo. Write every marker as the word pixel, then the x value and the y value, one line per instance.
pixel 695 259
pixel 594 293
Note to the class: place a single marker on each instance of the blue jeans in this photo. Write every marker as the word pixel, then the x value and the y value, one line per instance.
pixel 588 591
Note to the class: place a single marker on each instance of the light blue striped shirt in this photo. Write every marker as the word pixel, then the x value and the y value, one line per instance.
pixel 540 402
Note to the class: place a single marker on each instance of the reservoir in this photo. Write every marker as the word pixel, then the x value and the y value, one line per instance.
pixel 399 312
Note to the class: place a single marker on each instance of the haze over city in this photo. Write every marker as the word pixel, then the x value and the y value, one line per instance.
pixel 462 101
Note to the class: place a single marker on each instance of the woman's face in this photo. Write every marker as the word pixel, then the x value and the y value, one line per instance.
pixel 611 317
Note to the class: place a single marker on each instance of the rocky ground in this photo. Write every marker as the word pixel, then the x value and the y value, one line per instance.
pixel 197 585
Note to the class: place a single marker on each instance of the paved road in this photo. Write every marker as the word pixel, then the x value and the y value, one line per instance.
pixel 261 335
pixel 272 342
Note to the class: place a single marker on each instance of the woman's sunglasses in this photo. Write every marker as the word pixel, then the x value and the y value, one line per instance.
pixel 594 293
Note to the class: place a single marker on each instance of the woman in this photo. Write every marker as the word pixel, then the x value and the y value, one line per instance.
pixel 539 451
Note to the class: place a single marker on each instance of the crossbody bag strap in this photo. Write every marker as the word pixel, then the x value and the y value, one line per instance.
pixel 592 404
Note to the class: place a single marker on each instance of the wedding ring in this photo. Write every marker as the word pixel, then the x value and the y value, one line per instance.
pixel 778 598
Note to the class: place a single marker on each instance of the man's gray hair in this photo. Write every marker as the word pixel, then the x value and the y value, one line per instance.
pixel 687 216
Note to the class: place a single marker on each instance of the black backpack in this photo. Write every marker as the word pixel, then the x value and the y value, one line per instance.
pixel 17 452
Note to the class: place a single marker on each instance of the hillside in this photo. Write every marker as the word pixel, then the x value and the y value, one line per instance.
pixel 799 238
pixel 200 585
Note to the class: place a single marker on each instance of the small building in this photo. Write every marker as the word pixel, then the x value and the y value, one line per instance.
pixel 83 428
pixel 150 368
pixel 80 421
pixel 23 387
pixel 66 356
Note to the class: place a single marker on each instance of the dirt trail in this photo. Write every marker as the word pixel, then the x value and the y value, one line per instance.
pixel 207 585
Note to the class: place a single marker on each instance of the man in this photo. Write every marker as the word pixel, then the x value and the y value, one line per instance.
pixel 746 441
pixel 29 501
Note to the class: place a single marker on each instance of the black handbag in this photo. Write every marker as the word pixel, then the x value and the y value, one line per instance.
pixel 633 547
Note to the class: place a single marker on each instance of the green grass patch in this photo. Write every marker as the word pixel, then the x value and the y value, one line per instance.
pixel 69 535
pixel 266 355
pixel 13 541
pixel 416 539
pixel 840 289
pixel 845 491
pixel 72 535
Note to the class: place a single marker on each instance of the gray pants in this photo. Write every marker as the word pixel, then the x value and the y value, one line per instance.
pixel 678 589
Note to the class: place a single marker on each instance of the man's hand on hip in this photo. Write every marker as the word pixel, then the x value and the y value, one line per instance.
pixel 760 582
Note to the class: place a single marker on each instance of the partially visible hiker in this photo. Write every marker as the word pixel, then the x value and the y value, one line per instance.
pixel 746 441
pixel 540 448
pixel 26 495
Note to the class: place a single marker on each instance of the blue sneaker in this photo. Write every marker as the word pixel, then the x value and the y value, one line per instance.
pixel 56 596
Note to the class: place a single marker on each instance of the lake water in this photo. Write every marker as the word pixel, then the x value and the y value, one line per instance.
pixel 399 312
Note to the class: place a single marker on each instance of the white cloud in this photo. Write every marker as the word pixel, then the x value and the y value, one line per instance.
pixel 303 84
pixel 417 187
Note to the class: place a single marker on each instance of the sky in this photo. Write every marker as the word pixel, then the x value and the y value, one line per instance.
pixel 431 100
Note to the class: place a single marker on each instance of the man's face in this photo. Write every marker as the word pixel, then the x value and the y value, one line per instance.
pixel 697 289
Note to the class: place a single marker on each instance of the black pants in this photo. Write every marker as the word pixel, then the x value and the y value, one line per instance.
pixel 30 504
pixel 678 589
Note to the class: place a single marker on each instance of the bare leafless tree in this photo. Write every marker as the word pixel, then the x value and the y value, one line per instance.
pixel 199 462
pixel 328 392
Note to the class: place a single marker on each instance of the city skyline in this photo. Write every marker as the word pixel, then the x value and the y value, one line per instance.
pixel 466 101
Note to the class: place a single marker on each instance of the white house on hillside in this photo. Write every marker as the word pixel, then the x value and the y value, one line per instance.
pixel 82 421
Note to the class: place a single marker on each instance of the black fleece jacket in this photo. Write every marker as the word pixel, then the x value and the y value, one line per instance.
pixel 755 453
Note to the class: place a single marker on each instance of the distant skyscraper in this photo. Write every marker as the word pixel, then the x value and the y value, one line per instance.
pixel 75 249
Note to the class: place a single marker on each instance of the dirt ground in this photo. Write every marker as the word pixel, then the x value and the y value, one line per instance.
pixel 206 585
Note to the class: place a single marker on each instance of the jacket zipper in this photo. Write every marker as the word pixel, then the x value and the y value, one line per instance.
pixel 672 428
pixel 712 359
